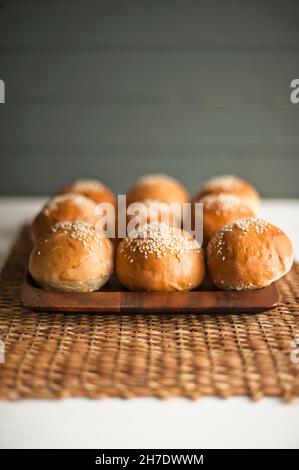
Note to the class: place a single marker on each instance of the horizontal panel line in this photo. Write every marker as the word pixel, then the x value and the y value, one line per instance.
pixel 107 150
pixel 93 46
pixel 157 2
pixel 293 108
pixel 94 55
pixel 205 100
pixel 115 3
pixel 170 105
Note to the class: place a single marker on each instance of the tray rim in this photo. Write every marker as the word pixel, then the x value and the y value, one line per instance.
pixel 124 302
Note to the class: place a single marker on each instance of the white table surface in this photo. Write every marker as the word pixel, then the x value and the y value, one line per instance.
pixel 147 422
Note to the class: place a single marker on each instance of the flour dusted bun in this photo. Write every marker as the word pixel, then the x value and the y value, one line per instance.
pixel 160 258
pixel 64 207
pixel 231 184
pixel 91 188
pixel 221 209
pixel 73 257
pixel 158 187
pixel 249 254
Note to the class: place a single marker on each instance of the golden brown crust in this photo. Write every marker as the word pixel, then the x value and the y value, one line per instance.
pixel 158 187
pixel 91 188
pixel 161 258
pixel 73 257
pixel 65 207
pixel 233 185
pixel 248 254
pixel 221 209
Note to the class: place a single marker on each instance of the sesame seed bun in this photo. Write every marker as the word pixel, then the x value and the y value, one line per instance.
pixel 161 258
pixel 221 209
pixel 73 257
pixel 91 188
pixel 64 207
pixel 233 185
pixel 249 254
pixel 158 187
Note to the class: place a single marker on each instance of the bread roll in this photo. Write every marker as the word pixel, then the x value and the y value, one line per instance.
pixel 73 257
pixel 91 188
pixel 233 185
pixel 249 254
pixel 221 209
pixel 152 211
pixel 161 258
pixel 65 207
pixel 158 187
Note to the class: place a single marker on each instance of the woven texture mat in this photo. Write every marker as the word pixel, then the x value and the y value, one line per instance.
pixel 51 355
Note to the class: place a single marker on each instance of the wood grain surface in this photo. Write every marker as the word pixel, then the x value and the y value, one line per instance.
pixel 113 298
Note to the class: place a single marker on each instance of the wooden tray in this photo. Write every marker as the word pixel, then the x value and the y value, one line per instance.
pixel 114 298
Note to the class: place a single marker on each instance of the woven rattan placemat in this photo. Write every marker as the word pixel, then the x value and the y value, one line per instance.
pixel 51 355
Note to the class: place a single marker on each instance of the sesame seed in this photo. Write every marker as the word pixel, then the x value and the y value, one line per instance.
pixel 243 225
pixel 83 231
pixel 161 240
